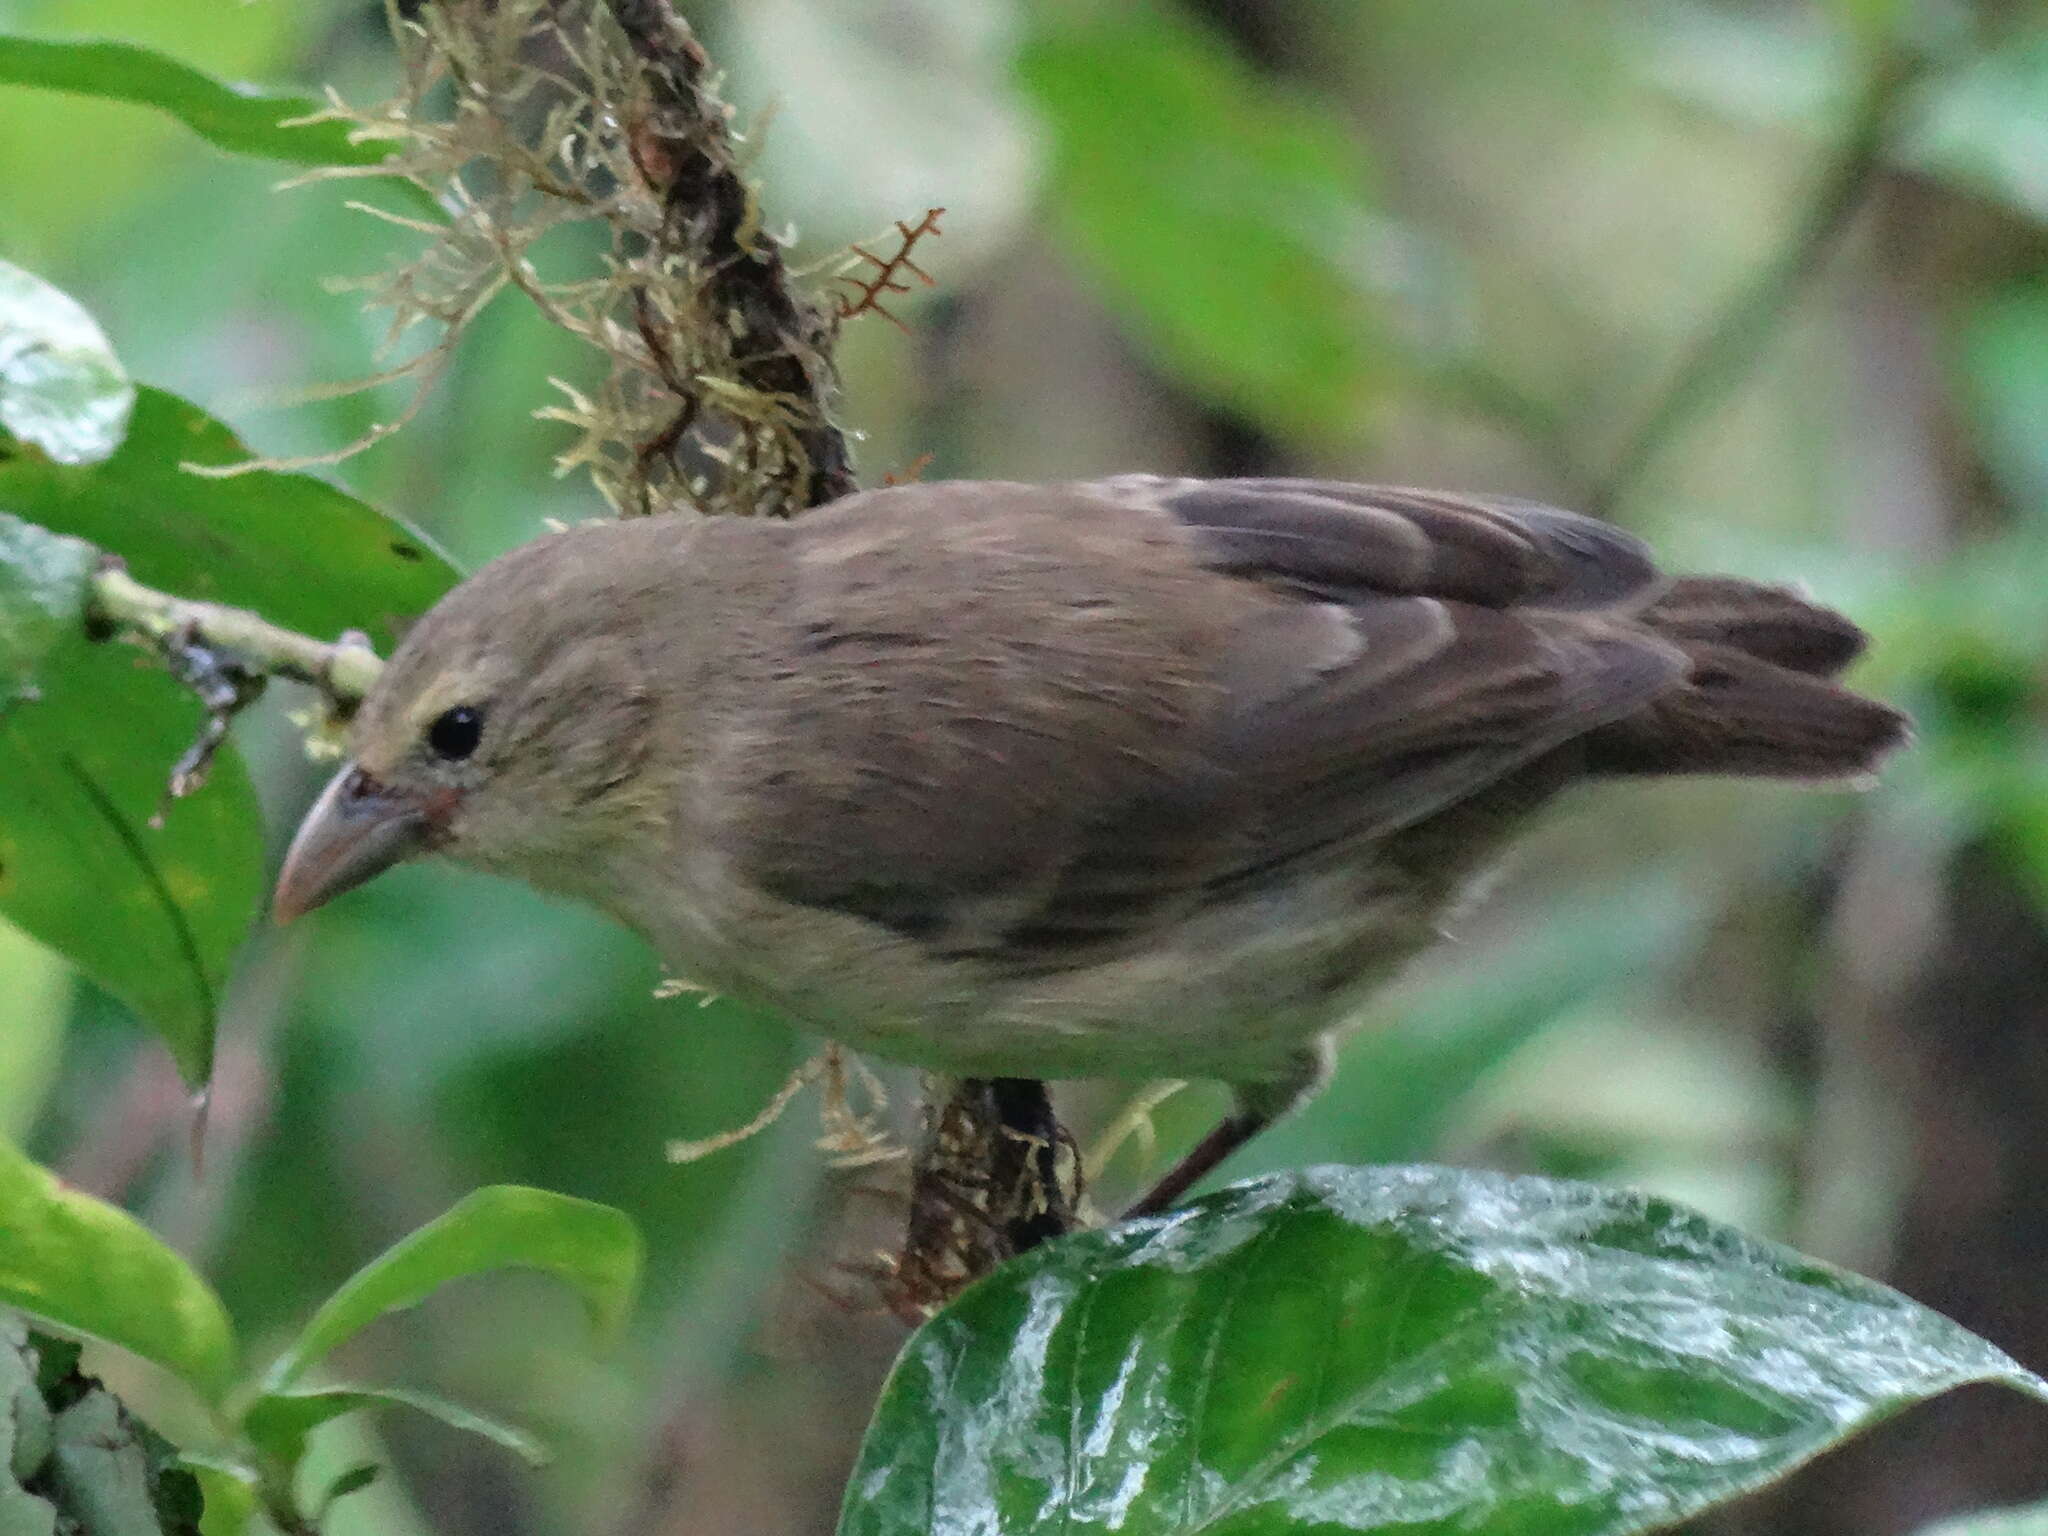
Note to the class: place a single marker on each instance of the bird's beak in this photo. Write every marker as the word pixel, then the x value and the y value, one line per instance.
pixel 356 829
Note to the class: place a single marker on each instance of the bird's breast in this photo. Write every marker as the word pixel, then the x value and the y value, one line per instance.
pixel 1227 991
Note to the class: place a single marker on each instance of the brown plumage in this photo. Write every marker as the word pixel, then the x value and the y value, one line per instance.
pixel 1139 776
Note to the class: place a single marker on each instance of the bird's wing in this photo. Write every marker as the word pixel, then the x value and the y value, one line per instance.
pixel 1033 723
pixel 1355 543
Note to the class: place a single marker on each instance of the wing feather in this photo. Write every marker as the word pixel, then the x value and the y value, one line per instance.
pixel 1189 687
pixel 1357 541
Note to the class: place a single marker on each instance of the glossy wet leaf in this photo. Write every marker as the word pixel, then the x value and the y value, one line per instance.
pixel 302 552
pixel 63 393
pixel 43 593
pixel 94 1270
pixel 1414 1349
pixel 2030 1521
pixel 241 119
pixel 279 1422
pixel 1226 219
pixel 592 1248
pixel 153 914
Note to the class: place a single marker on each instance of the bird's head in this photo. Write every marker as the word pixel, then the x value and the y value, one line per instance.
pixel 511 729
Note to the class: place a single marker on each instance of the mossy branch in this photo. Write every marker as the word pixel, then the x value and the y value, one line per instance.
pixel 517 118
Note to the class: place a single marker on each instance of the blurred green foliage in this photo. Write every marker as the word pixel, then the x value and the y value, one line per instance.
pixel 1413 1346
pixel 89 1268
pixel 1231 224
pixel 241 121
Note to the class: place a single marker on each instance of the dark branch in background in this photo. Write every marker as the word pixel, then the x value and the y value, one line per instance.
pixel 1728 347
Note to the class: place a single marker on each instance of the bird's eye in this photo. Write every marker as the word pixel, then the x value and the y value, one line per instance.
pixel 455 732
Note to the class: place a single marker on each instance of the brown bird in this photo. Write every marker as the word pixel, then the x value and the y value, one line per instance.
pixel 1137 777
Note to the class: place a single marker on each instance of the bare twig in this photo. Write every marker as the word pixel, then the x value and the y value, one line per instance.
pixel 1728 345
pixel 866 298
pixel 225 655
pixel 341 669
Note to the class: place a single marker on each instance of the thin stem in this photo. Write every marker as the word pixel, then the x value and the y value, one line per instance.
pixel 1475 389
pixel 342 669
pixel 1729 344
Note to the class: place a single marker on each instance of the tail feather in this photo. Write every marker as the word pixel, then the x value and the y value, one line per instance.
pixel 1760 697
pixel 1773 624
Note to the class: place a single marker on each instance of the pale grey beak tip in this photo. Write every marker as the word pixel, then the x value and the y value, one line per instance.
pixel 355 831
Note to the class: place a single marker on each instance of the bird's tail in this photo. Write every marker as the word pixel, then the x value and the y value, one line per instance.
pixel 1761 698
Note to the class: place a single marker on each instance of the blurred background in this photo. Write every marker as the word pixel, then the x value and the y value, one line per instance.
pixel 1766 281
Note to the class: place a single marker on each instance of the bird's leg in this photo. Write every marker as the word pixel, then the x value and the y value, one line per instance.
pixel 1258 1106
pixel 1232 1132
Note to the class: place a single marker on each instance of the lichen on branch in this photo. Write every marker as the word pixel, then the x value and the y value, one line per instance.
pixel 521 119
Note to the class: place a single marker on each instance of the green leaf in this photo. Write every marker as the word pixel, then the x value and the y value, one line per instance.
pixel 301 552
pixel 593 1248
pixel 231 1494
pixel 238 118
pixel 279 1422
pixel 1226 219
pixel 2002 363
pixel 153 914
pixel 43 592
pixel 1413 1349
pixel 354 1480
pixel 2030 1521
pixel 61 388
pixel 92 1269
